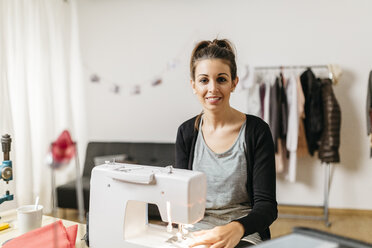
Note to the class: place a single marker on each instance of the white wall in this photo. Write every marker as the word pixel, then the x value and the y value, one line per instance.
pixel 130 41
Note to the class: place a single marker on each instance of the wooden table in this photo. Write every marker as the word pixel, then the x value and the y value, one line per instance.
pixel 10 217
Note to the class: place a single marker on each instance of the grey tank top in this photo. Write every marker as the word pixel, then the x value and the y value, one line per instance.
pixel 227 197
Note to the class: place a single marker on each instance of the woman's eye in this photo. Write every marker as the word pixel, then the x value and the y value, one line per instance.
pixel 203 80
pixel 221 80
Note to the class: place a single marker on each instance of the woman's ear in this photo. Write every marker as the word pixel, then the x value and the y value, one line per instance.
pixel 234 84
pixel 193 86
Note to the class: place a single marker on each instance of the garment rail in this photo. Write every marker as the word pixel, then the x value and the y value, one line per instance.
pixel 330 74
pixel 290 67
pixel 327 166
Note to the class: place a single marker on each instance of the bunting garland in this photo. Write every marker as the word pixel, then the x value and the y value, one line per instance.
pixel 172 64
pixel 136 89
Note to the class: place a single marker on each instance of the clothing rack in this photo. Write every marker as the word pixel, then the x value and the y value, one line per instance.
pixel 290 67
pixel 330 74
pixel 327 166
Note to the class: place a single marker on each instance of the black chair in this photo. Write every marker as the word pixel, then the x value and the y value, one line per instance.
pixel 155 154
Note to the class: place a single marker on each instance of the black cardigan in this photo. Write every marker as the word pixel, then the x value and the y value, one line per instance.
pixel 261 180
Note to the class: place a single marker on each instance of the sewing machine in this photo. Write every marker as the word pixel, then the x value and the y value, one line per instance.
pixel 119 194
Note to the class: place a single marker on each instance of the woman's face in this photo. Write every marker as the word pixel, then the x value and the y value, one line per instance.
pixel 213 84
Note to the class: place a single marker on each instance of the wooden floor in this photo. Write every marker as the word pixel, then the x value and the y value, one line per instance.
pixel 356 224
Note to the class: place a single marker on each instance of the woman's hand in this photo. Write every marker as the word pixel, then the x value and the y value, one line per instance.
pixel 227 236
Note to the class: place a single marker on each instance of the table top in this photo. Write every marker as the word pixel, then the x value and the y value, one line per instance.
pixel 10 217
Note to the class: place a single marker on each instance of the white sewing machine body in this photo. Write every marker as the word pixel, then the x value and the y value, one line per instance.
pixel 119 194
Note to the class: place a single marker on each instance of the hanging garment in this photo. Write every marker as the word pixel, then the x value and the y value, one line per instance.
pixel 292 133
pixel 313 121
pixel 330 139
pixel 302 149
pixel 280 156
pixel 266 110
pixel 335 73
pixel 254 105
pixel 268 80
pixel 283 105
pixel 278 121
pixel 274 112
pixel 369 111
pixel 262 99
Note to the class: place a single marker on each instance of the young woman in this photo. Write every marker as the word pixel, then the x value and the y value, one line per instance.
pixel 234 150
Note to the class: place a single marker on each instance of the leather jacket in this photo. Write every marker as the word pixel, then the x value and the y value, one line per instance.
pixel 330 139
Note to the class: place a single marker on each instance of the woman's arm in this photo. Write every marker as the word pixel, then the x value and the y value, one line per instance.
pixel 184 143
pixel 264 206
pixel 182 156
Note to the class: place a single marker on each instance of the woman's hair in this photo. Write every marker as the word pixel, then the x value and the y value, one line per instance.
pixel 216 49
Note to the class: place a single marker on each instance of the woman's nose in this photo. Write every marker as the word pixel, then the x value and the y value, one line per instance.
pixel 212 86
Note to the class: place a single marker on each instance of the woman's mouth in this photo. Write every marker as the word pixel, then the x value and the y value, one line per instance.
pixel 213 99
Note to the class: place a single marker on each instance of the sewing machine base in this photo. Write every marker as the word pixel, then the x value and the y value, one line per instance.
pixel 157 237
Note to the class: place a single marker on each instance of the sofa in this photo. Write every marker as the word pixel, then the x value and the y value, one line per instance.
pixel 155 154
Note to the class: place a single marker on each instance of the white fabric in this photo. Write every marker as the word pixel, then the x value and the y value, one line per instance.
pixel 245 78
pixel 253 85
pixel 335 72
pixel 293 125
pixel 41 70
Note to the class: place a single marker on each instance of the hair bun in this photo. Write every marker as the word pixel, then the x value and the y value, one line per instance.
pixel 220 43
pixel 201 45
pixel 224 44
